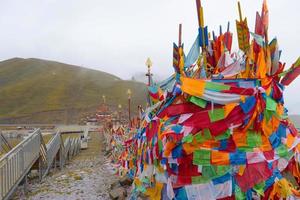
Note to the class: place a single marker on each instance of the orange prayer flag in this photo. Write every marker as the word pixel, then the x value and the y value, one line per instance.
pixel 280 109
pixel 239 138
pixel 290 140
pixel 210 144
pixel 192 86
pixel 189 148
pixel 220 158
pixel 168 148
pixel 275 123
pixel 131 164
pixel 261 65
pixel 241 170
pixel 266 145
pixel 267 127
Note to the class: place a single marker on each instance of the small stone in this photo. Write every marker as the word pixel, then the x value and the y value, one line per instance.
pixel 118 194
pixel 142 196
pixel 125 181
pixel 114 185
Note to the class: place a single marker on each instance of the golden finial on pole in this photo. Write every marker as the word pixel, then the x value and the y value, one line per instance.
pixel 129 93
pixel 104 98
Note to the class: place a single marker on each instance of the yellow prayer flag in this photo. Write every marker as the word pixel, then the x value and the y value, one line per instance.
pixel 155 192
pixel 229 107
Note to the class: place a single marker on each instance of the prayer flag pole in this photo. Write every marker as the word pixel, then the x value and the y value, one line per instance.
pixel 242 31
pixel 180 35
pixel 203 35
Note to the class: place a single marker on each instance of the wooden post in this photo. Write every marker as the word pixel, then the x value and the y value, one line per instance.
pixel 228 27
pixel 201 25
pixel 267 56
pixel 198 3
pixel 240 11
pixel 180 35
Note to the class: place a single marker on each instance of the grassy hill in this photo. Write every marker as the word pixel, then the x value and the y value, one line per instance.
pixel 40 91
pixel 296 120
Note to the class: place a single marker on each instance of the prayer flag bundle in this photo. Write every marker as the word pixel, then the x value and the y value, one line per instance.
pixel 217 128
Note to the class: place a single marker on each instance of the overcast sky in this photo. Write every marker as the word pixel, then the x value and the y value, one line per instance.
pixel 117 36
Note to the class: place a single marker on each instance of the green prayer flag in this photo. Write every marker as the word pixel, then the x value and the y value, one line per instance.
pixel 254 139
pixel 290 155
pixel 216 86
pixel 268 114
pixel 198 101
pixel 160 146
pixel 282 151
pixel 188 139
pixel 271 104
pixel 221 170
pixel 208 172
pixel 245 149
pixel 259 188
pixel 141 188
pixel 216 114
pixel 224 136
pixel 203 136
pixel 200 179
pixel 199 138
pixel 207 134
pixel 202 157
pixel 145 180
pixel 239 194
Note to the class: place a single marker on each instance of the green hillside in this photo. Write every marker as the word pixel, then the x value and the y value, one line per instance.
pixel 40 91
pixel 296 120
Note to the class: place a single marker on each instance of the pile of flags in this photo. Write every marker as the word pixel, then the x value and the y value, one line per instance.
pixel 217 128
